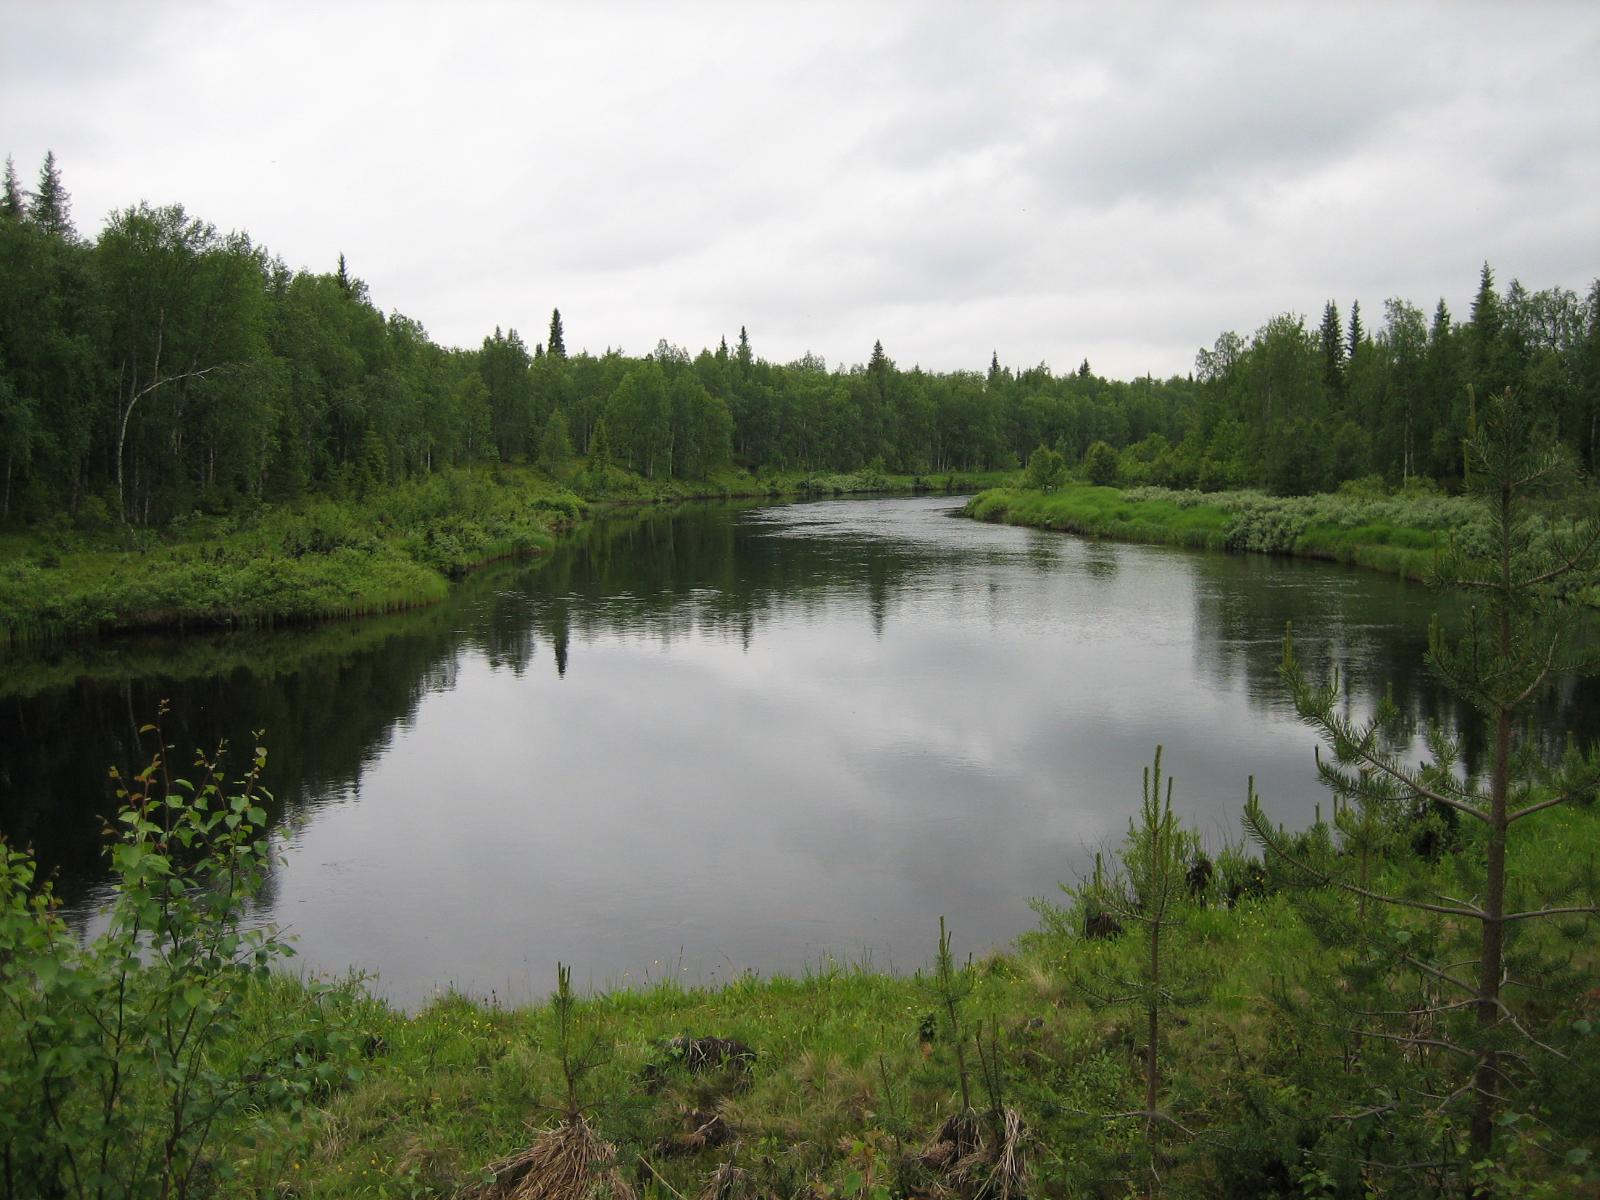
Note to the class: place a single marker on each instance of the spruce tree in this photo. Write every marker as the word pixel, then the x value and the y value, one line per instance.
pixel 599 447
pixel 51 207
pixel 12 206
pixel 1487 356
pixel 1357 334
pixel 746 358
pixel 1332 338
pixel 556 345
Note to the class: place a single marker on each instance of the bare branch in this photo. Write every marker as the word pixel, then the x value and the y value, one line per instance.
pixel 1513 818
pixel 1585 910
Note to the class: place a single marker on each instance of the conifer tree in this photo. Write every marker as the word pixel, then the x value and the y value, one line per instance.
pixel 1517 639
pixel 599 447
pixel 1147 893
pixel 1486 349
pixel 556 346
pixel 1332 337
pixel 745 357
pixel 51 207
pixel 12 206
pixel 1358 335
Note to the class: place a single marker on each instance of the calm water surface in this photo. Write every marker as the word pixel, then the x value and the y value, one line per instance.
pixel 726 739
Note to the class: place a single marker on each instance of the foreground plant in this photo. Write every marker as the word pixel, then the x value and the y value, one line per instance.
pixel 1453 985
pixel 570 1160
pixel 121 1056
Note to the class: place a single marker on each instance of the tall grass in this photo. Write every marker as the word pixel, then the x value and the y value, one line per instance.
pixel 1397 534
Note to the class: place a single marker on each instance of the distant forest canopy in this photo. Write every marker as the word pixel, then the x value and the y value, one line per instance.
pixel 164 367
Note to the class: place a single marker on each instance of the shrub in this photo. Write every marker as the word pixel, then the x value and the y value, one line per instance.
pixel 120 1055
pixel 1100 465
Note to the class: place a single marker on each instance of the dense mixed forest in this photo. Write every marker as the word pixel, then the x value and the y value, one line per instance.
pixel 165 367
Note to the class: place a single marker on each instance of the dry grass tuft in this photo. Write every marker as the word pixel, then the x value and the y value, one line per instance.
pixel 729 1182
pixel 974 1161
pixel 569 1162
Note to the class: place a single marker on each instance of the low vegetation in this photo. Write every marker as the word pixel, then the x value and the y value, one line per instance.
pixel 374 550
pixel 1400 534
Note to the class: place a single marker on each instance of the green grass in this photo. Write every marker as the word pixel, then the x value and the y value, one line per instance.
pixel 389 549
pixel 846 1089
pixel 392 548
pixel 1398 535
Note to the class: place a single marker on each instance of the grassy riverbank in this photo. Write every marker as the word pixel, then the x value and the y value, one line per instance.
pixel 385 549
pixel 852 1072
pixel 1398 534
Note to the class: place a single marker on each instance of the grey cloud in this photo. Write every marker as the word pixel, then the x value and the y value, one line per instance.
pixel 1055 181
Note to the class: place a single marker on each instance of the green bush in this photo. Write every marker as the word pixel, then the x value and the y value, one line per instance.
pixel 121 1055
pixel 1100 465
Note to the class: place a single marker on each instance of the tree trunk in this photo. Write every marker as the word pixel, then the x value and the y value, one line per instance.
pixel 1152 1080
pixel 1494 888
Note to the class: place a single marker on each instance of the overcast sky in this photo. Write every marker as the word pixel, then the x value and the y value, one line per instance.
pixel 1053 182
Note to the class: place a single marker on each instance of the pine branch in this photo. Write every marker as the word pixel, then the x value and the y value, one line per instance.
pixel 1255 824
pixel 1586 910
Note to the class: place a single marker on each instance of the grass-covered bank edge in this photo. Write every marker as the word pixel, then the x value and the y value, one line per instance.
pixel 381 549
pixel 1399 535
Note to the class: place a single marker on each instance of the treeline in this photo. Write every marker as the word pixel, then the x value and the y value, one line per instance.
pixel 165 367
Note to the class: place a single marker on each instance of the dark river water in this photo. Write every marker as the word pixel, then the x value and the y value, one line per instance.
pixel 720 739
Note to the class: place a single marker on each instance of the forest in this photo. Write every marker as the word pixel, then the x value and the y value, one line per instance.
pixel 164 368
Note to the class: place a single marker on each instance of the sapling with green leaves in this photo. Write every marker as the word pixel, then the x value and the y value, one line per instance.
pixel 120 1056
pixel 1480 1014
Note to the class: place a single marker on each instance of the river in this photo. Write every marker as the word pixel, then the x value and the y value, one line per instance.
pixel 724 738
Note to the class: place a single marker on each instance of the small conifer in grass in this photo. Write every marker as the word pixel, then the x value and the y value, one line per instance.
pixel 960 1152
pixel 570 1160
pixel 1472 1023
pixel 1147 895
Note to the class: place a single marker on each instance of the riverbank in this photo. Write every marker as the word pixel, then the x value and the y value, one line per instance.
pixel 383 550
pixel 1400 535
pixel 836 1084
